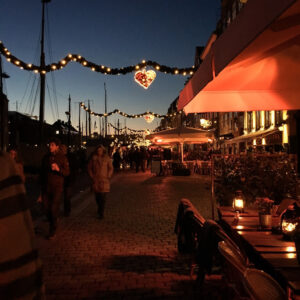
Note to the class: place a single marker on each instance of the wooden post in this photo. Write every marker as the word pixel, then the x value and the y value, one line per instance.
pixel 212 187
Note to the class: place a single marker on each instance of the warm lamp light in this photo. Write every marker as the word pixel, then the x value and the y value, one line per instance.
pixel 288 227
pixel 238 202
pixel 289 221
pixel 205 123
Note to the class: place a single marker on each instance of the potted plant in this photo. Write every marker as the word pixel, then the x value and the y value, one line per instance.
pixel 264 205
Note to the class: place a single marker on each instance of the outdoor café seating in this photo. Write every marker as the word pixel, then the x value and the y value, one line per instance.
pixel 254 262
pixel 202 167
pixel 208 256
pixel 268 250
pixel 200 237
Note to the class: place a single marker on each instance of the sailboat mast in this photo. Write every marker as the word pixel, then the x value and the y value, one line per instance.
pixel 42 75
pixel 105 98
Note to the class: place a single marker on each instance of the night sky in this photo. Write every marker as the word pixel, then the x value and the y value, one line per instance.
pixel 115 33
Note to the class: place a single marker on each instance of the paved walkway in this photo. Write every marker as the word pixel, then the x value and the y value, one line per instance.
pixel 131 253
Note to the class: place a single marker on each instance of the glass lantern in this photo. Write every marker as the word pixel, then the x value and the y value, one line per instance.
pixel 289 221
pixel 238 203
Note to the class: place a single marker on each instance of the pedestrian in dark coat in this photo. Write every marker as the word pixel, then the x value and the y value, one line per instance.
pixel 100 170
pixel 69 180
pixel 143 159
pixel 137 159
pixel 55 168
pixel 117 160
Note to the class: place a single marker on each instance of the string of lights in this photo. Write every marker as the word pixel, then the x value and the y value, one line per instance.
pixel 125 128
pixel 93 66
pixel 117 111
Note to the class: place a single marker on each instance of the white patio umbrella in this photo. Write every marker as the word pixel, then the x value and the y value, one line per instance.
pixel 181 135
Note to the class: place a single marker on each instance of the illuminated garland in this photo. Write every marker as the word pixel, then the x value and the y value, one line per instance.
pixel 117 111
pixel 124 128
pixel 94 67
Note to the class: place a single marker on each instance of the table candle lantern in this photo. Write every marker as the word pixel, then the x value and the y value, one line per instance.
pixel 238 203
pixel 289 221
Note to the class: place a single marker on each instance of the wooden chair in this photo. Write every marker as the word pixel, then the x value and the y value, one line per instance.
pixel 234 267
pixel 189 230
pixel 233 256
pixel 223 236
pixel 188 227
pixel 208 257
pixel 262 286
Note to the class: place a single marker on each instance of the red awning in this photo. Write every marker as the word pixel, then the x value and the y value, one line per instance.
pixel 256 62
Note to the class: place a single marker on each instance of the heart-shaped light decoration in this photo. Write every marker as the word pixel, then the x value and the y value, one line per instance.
pixel 148 118
pixel 144 78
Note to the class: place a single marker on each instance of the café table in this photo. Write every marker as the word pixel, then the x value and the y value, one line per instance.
pixel 266 248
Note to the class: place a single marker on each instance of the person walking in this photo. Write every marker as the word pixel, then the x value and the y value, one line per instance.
pixel 69 180
pixel 144 157
pixel 117 160
pixel 55 167
pixel 137 159
pixel 100 170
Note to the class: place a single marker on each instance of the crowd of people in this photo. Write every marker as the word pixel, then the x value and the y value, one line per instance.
pixel 58 172
pixel 133 158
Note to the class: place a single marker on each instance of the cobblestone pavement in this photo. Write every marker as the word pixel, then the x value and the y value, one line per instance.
pixel 131 253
